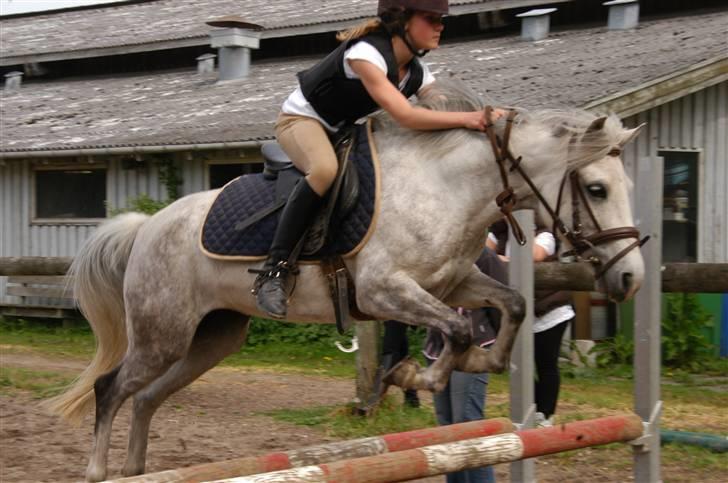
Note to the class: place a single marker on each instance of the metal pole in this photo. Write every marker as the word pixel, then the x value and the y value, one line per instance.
pixel 648 202
pixel 520 273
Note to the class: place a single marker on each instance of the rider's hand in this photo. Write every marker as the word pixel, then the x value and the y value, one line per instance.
pixel 497 114
pixel 476 120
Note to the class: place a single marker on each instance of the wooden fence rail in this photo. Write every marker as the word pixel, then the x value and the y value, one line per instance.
pixel 471 453
pixel 676 277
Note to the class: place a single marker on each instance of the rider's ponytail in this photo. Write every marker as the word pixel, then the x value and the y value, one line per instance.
pixel 360 30
pixel 392 20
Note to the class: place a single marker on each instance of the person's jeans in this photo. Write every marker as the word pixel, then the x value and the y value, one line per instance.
pixel 462 400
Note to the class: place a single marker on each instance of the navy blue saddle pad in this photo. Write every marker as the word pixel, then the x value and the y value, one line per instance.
pixel 248 194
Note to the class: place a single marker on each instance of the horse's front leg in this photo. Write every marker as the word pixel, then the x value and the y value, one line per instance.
pixel 477 291
pixel 401 298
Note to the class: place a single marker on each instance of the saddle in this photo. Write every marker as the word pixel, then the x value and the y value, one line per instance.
pixel 243 218
pixel 340 199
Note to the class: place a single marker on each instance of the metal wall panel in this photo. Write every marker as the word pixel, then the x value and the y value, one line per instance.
pixel 695 122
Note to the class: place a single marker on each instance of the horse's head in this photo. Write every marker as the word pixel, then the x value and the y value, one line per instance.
pixel 595 207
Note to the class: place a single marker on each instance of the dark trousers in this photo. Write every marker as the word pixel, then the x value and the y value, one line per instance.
pixel 547 345
pixel 394 342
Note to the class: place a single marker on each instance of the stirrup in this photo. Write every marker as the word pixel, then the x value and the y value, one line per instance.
pixel 279 270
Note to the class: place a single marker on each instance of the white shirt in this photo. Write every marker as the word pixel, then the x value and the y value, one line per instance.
pixel 559 314
pixel 297 105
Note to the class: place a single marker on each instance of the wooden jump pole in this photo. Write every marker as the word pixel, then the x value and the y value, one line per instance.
pixel 676 277
pixel 324 453
pixel 460 455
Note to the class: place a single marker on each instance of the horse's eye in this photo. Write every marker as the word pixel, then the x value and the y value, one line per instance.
pixel 597 190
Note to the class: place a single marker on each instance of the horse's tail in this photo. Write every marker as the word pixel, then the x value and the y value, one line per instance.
pixel 98 279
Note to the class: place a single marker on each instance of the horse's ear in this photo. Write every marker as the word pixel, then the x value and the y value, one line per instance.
pixel 597 124
pixel 629 135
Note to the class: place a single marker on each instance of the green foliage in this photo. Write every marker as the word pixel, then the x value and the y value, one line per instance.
pixel 683 343
pixel 263 332
pixel 142 204
pixel 171 175
pixel 614 352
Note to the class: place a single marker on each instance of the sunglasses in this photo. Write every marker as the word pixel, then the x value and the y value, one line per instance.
pixel 432 19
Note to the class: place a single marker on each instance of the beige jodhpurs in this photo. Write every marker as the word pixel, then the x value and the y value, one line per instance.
pixel 307 143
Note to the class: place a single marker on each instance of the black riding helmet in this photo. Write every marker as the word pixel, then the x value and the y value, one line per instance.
pixel 395 14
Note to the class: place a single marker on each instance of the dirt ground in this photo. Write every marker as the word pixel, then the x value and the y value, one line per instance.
pixel 218 417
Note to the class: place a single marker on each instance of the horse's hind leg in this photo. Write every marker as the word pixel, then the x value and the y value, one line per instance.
pixel 219 334
pixel 136 370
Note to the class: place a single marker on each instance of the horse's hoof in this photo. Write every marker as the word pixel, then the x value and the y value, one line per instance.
pixel 403 374
pixel 95 474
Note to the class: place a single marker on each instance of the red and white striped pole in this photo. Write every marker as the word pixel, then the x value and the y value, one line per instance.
pixel 449 457
pixel 328 452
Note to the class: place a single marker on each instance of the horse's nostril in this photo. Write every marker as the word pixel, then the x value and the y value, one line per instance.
pixel 627 282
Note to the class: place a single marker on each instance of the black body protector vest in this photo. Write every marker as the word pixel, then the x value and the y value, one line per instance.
pixel 340 100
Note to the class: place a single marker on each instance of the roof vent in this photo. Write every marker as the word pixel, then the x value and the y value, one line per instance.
pixel 234 38
pixel 13 80
pixel 623 14
pixel 206 63
pixel 535 24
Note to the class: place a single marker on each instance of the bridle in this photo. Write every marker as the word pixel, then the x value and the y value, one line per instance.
pixel 580 243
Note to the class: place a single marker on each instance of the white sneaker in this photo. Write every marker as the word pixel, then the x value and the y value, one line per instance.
pixel 541 421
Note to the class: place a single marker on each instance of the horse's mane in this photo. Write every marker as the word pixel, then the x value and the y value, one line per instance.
pixel 564 125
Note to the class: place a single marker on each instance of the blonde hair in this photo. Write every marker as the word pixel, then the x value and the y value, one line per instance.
pixel 360 30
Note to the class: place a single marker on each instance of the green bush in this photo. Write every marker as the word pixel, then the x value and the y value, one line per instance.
pixel 142 204
pixel 683 343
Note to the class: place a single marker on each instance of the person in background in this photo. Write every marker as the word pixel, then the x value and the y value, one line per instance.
pixel 395 347
pixel 553 313
pixel 463 399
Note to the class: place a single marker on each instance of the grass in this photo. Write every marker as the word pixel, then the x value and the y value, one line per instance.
pixel 42 384
pixel 692 402
pixel 341 422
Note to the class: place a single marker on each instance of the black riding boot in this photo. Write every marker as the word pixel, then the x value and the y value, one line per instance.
pixel 298 214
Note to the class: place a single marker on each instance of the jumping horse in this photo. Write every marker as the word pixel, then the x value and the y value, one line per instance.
pixel 163 312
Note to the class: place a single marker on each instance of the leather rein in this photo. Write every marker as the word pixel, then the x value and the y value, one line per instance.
pixel 580 243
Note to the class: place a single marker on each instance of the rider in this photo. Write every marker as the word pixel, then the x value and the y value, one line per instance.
pixel 377 66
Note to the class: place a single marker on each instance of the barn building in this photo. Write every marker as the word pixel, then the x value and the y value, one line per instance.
pixel 112 106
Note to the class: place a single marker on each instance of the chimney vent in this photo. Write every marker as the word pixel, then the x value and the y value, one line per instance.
pixel 535 23
pixel 623 14
pixel 13 80
pixel 206 63
pixel 234 38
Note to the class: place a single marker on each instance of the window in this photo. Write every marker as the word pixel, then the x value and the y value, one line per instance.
pixel 222 174
pixel 680 206
pixel 74 193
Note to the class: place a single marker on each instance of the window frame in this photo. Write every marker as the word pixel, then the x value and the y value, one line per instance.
pixel 700 167
pixel 217 162
pixel 36 221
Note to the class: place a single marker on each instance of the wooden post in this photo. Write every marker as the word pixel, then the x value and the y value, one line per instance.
pixel 647 333
pixel 367 364
pixel 520 273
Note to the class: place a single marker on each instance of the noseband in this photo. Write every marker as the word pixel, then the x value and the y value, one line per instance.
pixel 580 243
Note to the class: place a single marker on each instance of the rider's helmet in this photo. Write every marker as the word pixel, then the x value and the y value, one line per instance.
pixel 434 6
pixel 394 14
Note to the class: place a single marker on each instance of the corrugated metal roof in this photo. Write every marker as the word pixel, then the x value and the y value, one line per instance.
pixel 158 21
pixel 570 68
